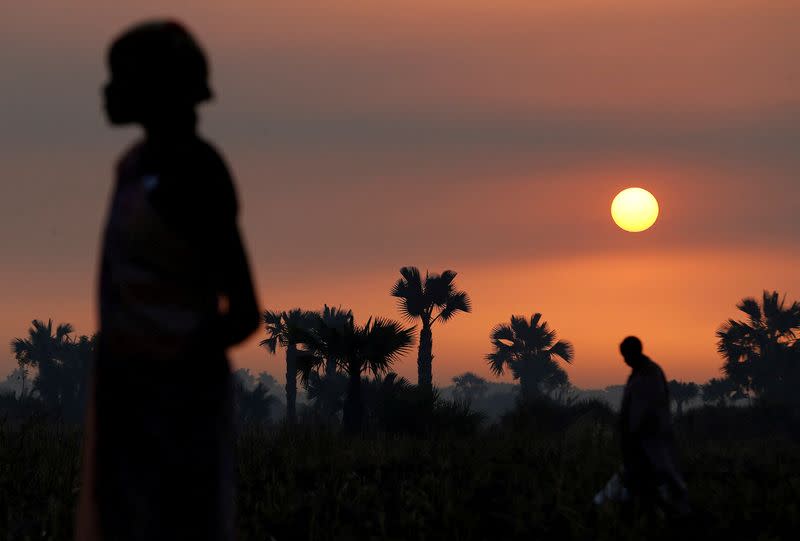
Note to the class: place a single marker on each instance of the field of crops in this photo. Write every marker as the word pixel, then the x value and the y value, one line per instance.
pixel 510 481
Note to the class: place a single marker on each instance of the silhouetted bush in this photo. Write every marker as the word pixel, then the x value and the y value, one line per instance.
pixel 760 421
pixel 543 415
pixel 253 406
pixel 15 409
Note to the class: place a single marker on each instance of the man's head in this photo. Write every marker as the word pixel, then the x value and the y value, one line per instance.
pixel 157 68
pixel 631 349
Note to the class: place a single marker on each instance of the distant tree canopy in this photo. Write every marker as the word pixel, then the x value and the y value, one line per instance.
pixel 61 361
pixel 761 353
pixel 529 349
pixel 244 378
pixel 719 391
pixel 681 392
pixel 469 387
pixel 267 380
pixel 13 384
pixel 253 405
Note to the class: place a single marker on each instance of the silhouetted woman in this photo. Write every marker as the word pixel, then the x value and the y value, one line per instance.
pixel 175 291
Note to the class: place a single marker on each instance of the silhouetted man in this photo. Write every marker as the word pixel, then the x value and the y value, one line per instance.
pixel 175 291
pixel 649 470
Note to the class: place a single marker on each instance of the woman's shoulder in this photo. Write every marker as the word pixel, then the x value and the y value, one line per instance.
pixel 130 160
pixel 205 154
pixel 213 183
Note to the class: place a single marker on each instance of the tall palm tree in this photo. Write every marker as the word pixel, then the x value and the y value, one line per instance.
pixel 430 300
pixel 288 329
pixel 42 350
pixel 332 319
pixel 760 353
pixel 76 361
pixel 319 369
pixel 529 350
pixel 360 350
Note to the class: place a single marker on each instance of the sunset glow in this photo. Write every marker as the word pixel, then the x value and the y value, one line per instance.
pixel 488 143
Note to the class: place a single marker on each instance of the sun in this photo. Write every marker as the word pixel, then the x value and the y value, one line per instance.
pixel 634 209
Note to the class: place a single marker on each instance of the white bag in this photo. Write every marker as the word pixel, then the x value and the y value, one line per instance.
pixel 614 491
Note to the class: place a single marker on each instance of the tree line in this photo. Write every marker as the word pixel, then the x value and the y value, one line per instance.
pixel 346 367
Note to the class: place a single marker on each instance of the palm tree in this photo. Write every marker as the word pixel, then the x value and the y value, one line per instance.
pixel 253 405
pixel 76 360
pixel 529 350
pixel 42 350
pixel 327 392
pixel 327 388
pixel 386 400
pixel 681 392
pixel 761 353
pixel 360 350
pixel 433 299
pixel 333 319
pixel 288 330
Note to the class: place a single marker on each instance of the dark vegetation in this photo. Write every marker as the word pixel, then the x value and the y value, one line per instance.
pixel 530 476
pixel 347 449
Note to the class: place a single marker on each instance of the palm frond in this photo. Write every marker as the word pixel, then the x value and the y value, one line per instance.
pixel 502 331
pixel 457 302
pixel 382 341
pixel 63 330
pixel 439 288
pixel 410 292
pixel 270 344
pixel 750 307
pixel 271 318
pixel 306 363
pixel 563 349
pixel 498 360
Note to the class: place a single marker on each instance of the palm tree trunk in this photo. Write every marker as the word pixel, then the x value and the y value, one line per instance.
pixel 328 382
pixel 24 375
pixel 353 410
pixel 330 367
pixel 291 384
pixel 425 358
pixel 525 386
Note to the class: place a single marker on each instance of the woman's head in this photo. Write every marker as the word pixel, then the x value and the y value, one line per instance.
pixel 157 69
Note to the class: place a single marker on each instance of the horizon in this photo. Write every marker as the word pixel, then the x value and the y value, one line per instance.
pixel 453 137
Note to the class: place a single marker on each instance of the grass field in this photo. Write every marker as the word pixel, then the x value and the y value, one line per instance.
pixel 501 482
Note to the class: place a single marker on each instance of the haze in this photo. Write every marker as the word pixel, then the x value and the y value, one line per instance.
pixel 484 137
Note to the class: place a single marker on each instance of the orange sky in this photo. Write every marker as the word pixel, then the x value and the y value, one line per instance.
pixel 486 137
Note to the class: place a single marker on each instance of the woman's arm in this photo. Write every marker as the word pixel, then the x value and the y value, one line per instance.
pixel 199 200
pixel 239 312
